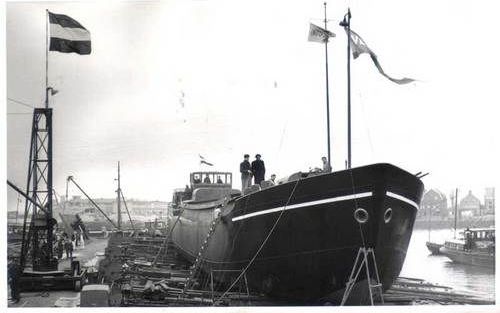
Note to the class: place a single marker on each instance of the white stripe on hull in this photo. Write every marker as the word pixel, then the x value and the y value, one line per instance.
pixel 304 204
pixel 323 201
pixel 404 199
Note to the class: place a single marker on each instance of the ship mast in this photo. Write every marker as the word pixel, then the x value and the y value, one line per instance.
pixel 456 206
pixel 346 23
pixel 118 202
pixel 429 224
pixel 327 92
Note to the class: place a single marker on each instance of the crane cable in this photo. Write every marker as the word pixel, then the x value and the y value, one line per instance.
pixel 128 213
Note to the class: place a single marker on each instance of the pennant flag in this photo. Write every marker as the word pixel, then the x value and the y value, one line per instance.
pixel 358 47
pixel 318 34
pixel 67 35
pixel 203 161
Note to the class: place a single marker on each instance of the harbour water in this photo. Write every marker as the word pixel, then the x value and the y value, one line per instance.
pixel 439 269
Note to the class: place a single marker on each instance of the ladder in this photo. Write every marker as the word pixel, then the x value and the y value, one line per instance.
pixel 361 261
pixel 169 230
pixel 199 258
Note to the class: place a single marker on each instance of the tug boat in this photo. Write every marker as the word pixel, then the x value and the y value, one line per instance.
pixel 476 247
pixel 297 239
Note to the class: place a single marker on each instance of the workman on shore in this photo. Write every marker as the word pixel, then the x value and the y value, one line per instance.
pixel 60 248
pixel 13 273
pixel 68 246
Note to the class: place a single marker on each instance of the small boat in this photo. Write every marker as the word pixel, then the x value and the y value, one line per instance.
pixel 433 247
pixel 476 247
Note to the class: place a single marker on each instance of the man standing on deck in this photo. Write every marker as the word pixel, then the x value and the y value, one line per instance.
pixel 258 169
pixel 273 179
pixel 327 168
pixel 246 172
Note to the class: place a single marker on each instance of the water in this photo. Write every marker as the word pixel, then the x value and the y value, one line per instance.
pixel 439 269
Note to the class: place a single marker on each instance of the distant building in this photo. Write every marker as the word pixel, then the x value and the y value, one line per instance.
pixel 435 203
pixel 489 200
pixel 469 206
pixel 148 208
pixel 77 205
pixel 13 214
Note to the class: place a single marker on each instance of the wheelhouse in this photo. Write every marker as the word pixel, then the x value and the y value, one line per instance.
pixel 455 244
pixel 479 234
pixel 211 179
pixel 204 187
pixel 474 239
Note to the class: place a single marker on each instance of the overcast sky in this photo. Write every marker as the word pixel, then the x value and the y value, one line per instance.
pixel 169 80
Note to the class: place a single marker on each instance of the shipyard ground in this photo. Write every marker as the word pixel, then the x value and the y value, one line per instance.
pixel 86 256
pixel 406 291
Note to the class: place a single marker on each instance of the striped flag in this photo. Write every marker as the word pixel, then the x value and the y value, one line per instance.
pixel 67 35
pixel 359 46
pixel 318 34
pixel 203 161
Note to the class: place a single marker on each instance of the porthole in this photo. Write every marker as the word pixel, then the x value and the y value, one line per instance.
pixel 361 215
pixel 388 215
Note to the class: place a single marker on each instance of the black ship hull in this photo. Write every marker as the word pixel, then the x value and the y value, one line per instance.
pixel 312 234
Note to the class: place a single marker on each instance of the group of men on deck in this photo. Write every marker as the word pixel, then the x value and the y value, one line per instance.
pixel 257 169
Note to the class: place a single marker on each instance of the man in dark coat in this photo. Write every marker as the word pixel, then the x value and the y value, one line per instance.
pixel 68 246
pixel 78 225
pixel 13 273
pixel 258 169
pixel 246 172
pixel 60 248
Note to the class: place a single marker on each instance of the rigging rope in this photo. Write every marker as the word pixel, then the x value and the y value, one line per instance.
pixel 262 245
pixel 22 103
pixel 128 213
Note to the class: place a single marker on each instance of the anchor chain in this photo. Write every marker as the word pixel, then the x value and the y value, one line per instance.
pixel 199 258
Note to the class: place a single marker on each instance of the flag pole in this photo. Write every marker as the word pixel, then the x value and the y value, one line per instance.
pixel 346 23
pixel 46 59
pixel 327 92
pixel 349 89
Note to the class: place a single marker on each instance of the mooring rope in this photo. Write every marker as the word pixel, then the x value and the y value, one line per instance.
pixel 262 244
